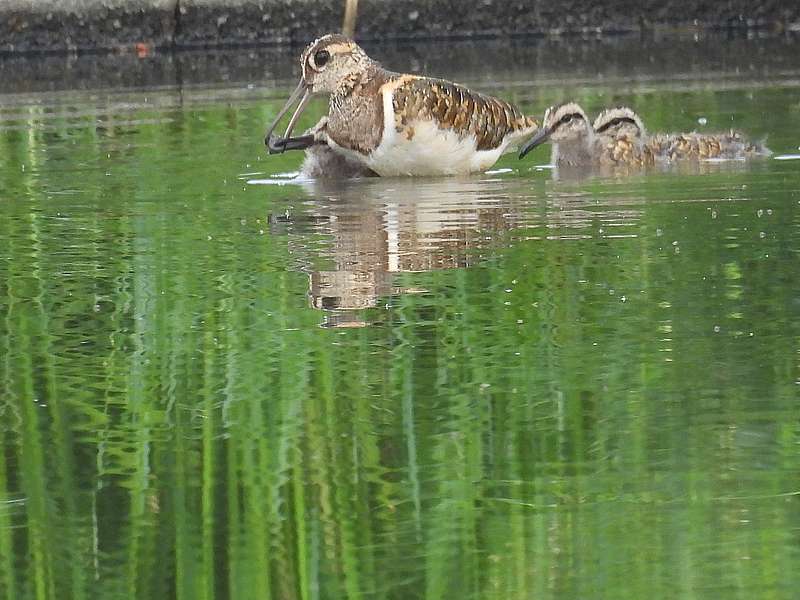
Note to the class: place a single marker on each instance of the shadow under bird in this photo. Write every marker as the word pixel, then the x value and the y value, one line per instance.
pixel 397 124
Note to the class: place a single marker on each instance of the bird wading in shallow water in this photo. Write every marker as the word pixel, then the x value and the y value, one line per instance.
pixel 732 145
pixel 397 124
pixel 620 138
pixel 615 139
pixel 622 122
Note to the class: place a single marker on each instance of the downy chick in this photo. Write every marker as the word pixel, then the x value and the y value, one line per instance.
pixel 620 138
pixel 702 146
pixel 615 139
pixel 567 127
pixel 323 162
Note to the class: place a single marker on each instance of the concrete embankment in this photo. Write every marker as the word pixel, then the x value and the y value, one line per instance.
pixel 64 25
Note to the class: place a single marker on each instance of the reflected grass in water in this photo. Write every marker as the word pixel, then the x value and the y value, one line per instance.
pixel 561 389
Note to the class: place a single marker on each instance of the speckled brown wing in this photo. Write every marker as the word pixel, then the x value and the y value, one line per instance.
pixel 458 109
pixel 659 144
pixel 694 145
pixel 626 150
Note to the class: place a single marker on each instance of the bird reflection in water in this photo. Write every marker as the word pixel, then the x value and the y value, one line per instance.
pixel 383 227
pixel 379 228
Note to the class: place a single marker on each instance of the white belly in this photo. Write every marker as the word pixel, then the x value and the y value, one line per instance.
pixel 430 151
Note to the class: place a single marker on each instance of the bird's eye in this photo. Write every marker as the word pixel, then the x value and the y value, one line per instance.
pixel 322 57
pixel 566 118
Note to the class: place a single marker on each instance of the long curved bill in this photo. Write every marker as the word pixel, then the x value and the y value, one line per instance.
pixel 276 145
pixel 539 138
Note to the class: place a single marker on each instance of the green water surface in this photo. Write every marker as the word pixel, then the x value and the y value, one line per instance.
pixel 219 383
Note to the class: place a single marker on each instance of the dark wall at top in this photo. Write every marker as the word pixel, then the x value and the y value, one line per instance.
pixel 27 25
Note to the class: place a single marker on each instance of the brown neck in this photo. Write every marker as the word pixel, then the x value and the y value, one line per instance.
pixel 355 113
pixel 358 80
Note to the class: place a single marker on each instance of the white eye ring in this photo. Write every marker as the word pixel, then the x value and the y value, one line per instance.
pixel 321 58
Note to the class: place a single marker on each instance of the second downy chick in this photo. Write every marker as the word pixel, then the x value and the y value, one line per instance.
pixel 620 138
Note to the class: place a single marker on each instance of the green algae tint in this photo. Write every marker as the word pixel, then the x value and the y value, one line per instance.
pixel 218 383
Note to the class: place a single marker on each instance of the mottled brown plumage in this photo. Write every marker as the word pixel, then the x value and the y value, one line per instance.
pixel 322 162
pixel 456 108
pixel 702 146
pixel 623 149
pixel 678 146
pixel 614 140
pixel 619 138
pixel 399 124
pixel 695 146
pixel 355 113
